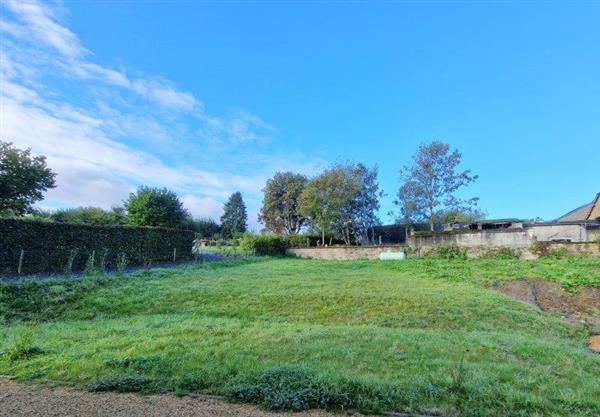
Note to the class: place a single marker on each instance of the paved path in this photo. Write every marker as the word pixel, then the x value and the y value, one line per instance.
pixel 20 400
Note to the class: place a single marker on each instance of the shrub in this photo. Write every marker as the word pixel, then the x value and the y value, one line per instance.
pixel 56 247
pixel 545 250
pixel 265 245
pixel 540 248
pixel 130 383
pixel 502 253
pixel 450 252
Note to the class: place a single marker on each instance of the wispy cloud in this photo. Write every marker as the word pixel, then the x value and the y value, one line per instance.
pixel 120 130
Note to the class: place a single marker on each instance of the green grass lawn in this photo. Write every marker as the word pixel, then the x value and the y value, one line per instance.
pixel 426 335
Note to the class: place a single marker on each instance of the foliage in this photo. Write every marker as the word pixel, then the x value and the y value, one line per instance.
pixel 59 247
pixel 234 218
pixel 503 253
pixel 158 207
pixel 545 250
pixel 421 336
pixel 449 252
pixel 344 200
pixel 129 383
pixel 429 184
pixel 280 212
pixel 23 179
pixel 202 227
pixel 265 245
pixel 23 348
pixel 90 215
pixel 459 215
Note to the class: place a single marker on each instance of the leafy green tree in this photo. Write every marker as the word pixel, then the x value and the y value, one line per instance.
pixel 155 207
pixel 203 227
pixel 429 183
pixel 90 215
pixel 325 199
pixel 23 179
pixel 234 218
pixel 361 214
pixel 468 215
pixel 279 212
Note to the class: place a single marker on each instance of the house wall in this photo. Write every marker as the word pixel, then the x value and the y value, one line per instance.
pixel 572 232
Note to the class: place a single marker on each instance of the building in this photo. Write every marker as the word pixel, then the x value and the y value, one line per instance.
pixel 581 226
pixel 587 212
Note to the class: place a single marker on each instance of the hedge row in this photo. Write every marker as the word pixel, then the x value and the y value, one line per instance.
pixel 48 246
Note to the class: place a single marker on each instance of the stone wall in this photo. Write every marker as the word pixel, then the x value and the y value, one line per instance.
pixel 345 253
pixel 373 252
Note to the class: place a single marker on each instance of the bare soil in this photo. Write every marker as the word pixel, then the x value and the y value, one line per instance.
pixel 582 307
pixel 19 400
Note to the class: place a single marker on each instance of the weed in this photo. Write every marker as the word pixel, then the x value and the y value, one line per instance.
pixel 122 263
pixel 90 266
pixel 450 252
pixel 129 383
pixel 23 347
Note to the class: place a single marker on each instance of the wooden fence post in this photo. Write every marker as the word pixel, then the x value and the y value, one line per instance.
pixel 21 261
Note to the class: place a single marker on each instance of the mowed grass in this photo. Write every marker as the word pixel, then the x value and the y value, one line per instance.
pixel 422 335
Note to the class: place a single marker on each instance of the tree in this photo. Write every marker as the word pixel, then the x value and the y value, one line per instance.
pixel 343 200
pixel 155 207
pixel 466 215
pixel 366 202
pixel 279 212
pixel 23 179
pixel 429 184
pixel 203 227
pixel 234 218
pixel 90 215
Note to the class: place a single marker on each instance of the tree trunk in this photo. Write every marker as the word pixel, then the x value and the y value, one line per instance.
pixel 323 236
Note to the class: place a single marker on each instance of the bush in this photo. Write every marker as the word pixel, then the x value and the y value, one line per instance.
pixel 502 253
pixel 265 245
pixel 540 248
pixel 450 252
pixel 130 383
pixel 545 250
pixel 53 247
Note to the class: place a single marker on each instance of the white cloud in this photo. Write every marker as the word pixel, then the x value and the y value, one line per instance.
pixel 111 136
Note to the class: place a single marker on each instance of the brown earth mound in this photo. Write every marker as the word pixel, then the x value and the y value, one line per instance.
pixel 582 307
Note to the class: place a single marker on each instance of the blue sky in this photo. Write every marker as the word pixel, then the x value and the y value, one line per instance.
pixel 208 98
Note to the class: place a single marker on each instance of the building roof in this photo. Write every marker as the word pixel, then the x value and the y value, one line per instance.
pixel 589 211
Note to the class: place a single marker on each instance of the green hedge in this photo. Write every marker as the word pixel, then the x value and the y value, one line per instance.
pixel 47 246
pixel 265 245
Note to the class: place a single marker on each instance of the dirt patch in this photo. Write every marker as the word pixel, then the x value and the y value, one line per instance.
pixel 595 344
pixel 582 306
pixel 19 400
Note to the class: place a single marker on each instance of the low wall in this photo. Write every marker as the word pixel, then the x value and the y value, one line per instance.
pixel 373 252
pixel 345 253
pixel 517 239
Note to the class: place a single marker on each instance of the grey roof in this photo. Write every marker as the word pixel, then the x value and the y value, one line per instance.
pixel 582 213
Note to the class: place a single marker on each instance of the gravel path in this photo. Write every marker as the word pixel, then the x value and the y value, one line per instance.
pixel 19 400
